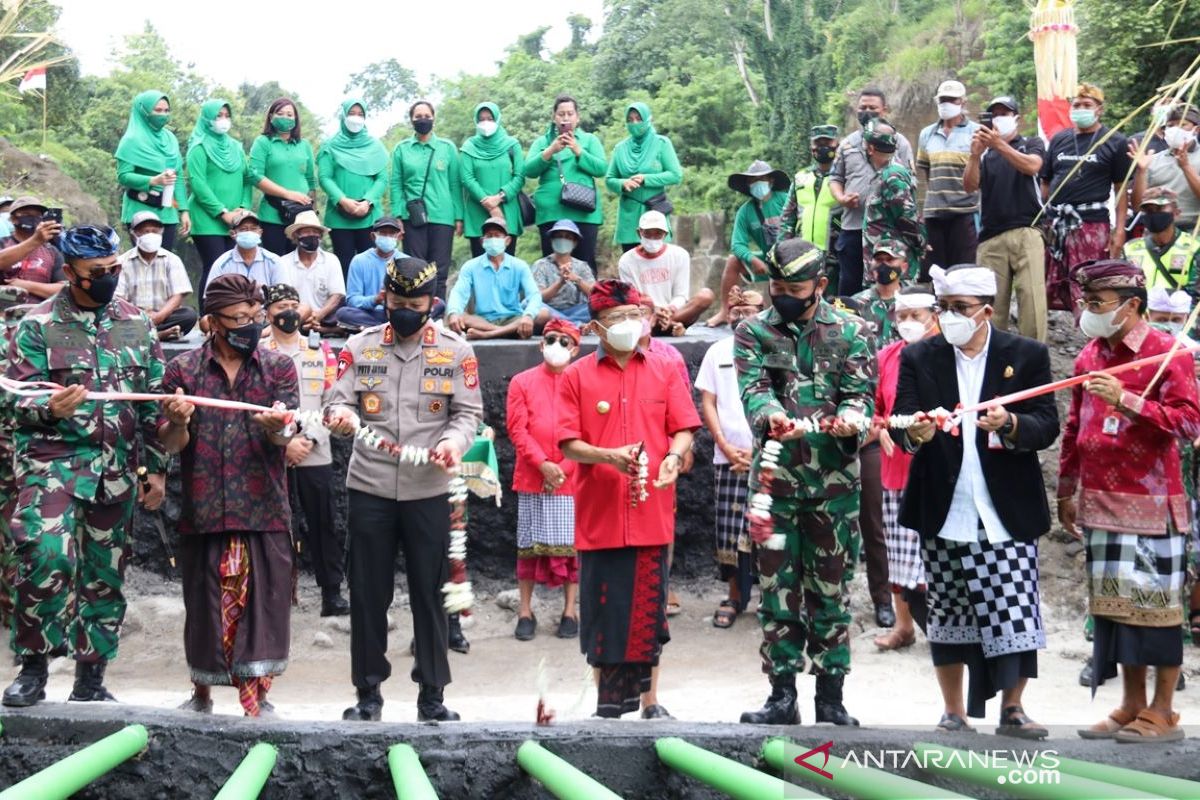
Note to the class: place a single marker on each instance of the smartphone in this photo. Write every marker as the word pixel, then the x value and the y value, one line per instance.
pixel 53 215
pixel 985 119
pixel 565 127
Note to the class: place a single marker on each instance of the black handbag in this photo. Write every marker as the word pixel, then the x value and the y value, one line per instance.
pixel 288 209
pixel 418 214
pixel 575 195
pixel 524 202
pixel 660 203
pixel 152 199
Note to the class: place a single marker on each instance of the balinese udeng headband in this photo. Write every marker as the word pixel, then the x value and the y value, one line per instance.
pixel 907 302
pixel 971 281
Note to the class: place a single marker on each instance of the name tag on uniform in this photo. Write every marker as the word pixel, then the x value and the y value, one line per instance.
pixel 1112 425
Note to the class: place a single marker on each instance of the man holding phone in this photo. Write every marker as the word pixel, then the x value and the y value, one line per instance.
pixel 29 262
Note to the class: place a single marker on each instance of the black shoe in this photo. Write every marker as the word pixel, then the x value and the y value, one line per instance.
pixel 89 684
pixel 30 685
pixel 458 642
pixel 568 628
pixel 1180 684
pixel 780 708
pixel 526 628
pixel 368 707
pixel 430 707
pixel 1085 674
pixel 332 602
pixel 828 701
pixel 885 617
pixel 656 712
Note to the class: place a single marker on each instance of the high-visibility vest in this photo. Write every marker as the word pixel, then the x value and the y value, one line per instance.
pixel 815 207
pixel 1177 262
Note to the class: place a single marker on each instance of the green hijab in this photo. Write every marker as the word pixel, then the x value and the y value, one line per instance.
pixel 634 153
pixel 359 153
pixel 222 149
pixel 143 144
pixel 486 148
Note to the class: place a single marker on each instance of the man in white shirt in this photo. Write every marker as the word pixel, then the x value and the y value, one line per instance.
pixel 315 272
pixel 663 272
pixel 155 280
pixel 724 416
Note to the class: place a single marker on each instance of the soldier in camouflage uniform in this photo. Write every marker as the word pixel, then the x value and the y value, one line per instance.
pixel 75 462
pixel 877 303
pixel 892 206
pixel 8 486
pixel 803 358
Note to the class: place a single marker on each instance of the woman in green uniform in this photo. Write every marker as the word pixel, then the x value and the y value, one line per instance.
pixel 642 166
pixel 352 165
pixel 284 166
pixel 150 167
pixel 567 154
pixel 220 182
pixel 493 173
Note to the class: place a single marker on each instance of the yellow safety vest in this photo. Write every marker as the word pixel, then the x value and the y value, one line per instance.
pixel 815 208
pixel 1177 262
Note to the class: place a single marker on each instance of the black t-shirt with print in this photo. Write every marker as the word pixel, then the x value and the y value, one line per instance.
pixel 1008 197
pixel 1093 181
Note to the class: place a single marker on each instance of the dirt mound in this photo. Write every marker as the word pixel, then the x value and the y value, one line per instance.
pixel 24 173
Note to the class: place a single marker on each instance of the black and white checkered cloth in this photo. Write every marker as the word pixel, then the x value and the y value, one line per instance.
pixel 545 522
pixel 984 593
pixel 905 567
pixel 1134 579
pixel 731 490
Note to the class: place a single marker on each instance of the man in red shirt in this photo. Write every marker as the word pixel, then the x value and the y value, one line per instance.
pixel 627 418
pixel 1119 452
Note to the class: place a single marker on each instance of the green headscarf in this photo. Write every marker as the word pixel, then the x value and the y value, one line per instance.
pixel 144 145
pixel 223 150
pixel 486 148
pixel 359 153
pixel 633 153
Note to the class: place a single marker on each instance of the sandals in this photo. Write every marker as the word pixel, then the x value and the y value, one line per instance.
pixel 725 614
pixel 1014 722
pixel 1108 727
pixel 894 640
pixel 953 723
pixel 1151 726
pixel 673 606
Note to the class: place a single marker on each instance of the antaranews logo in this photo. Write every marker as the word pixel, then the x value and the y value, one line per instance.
pixel 1007 767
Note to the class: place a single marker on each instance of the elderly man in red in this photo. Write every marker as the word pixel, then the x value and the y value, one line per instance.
pixel 544 482
pixel 1119 453
pixel 627 417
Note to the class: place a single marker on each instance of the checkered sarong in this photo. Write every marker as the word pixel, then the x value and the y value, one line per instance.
pixel 1136 580
pixel 545 525
pixel 984 593
pixel 730 490
pixel 905 567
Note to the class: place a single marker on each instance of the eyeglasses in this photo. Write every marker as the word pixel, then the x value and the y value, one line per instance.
pixel 613 319
pixel 561 340
pixel 98 273
pixel 243 319
pixel 962 309
pixel 1095 306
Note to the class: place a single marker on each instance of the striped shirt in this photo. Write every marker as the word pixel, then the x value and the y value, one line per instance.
pixel 150 284
pixel 941 161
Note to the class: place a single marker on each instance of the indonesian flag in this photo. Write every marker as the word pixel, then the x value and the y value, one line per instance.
pixel 34 80
pixel 1052 29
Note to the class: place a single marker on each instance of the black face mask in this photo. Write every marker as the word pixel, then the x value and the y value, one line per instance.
pixel 25 223
pixel 1158 221
pixel 792 308
pixel 824 154
pixel 886 274
pixel 244 340
pixel 309 244
pixel 866 116
pixel 101 290
pixel 287 321
pixel 405 322
pixel 422 126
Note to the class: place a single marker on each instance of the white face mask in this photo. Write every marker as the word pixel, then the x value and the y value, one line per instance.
pixel 222 125
pixel 1099 326
pixel 949 110
pixel 1177 137
pixel 958 329
pixel 486 127
pixel 653 245
pixel 623 337
pixel 1005 126
pixel 556 355
pixel 149 242
pixel 911 330
pixel 355 124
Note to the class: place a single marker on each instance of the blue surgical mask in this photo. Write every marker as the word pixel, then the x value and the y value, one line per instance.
pixel 1083 117
pixel 248 240
pixel 562 245
pixel 385 244
pixel 759 190
pixel 494 245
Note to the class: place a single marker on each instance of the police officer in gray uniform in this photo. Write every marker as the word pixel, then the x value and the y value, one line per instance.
pixel 414 384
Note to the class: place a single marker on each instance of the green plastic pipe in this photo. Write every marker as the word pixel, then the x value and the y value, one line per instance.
pixel 723 774
pixel 408 776
pixel 1177 788
pixel 1050 785
pixel 248 780
pixel 64 778
pixel 851 779
pixel 560 778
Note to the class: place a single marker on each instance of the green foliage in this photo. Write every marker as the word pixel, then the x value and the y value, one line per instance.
pixel 383 84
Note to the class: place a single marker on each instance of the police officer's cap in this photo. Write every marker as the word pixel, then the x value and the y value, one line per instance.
pixel 411 277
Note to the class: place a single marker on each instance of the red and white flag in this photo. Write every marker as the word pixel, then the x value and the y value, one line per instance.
pixel 34 80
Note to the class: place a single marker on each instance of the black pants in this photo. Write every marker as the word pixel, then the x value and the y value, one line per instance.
pixel 476 243
pixel 953 239
pixel 870 521
pixel 432 242
pixel 378 529
pixel 184 316
pixel 850 262
pixel 584 251
pixel 168 242
pixel 210 248
pixel 275 240
pixel 312 489
pixel 349 242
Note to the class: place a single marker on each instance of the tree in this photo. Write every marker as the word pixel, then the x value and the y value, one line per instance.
pixel 384 84
pixel 580 26
pixel 533 43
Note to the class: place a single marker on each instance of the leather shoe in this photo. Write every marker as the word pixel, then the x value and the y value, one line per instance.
pixel 568 628
pixel 885 617
pixel 780 708
pixel 430 707
pixel 332 602
pixel 368 708
pixel 30 685
pixel 89 684
pixel 458 642
pixel 526 628
pixel 656 712
pixel 1085 674
pixel 828 701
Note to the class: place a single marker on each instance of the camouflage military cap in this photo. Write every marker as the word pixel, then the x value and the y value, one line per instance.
pixel 822 132
pixel 891 245
pixel 411 277
pixel 1159 196
pixel 795 260
pixel 881 135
